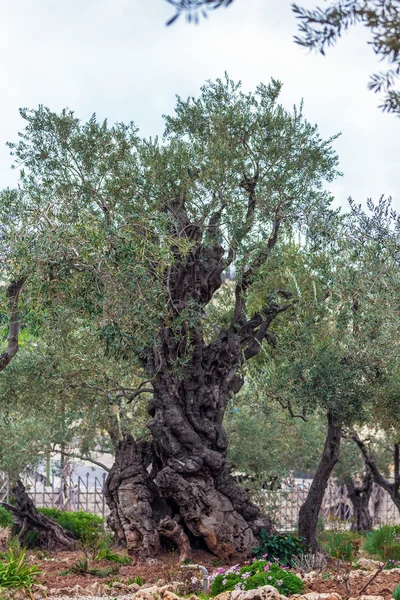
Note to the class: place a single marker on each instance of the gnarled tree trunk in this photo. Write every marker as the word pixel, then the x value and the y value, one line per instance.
pixel 308 515
pixel 359 497
pixel 183 473
pixel 392 488
pixel 51 534
pixel 186 476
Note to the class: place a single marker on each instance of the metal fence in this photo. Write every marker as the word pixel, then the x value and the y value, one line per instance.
pixel 86 493
pixel 72 493
pixel 336 510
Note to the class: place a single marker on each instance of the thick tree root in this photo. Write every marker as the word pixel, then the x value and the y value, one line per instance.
pixel 170 528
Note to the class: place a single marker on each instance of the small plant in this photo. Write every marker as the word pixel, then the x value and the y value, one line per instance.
pixel 138 579
pixel 396 593
pixel 105 552
pixel 280 547
pixel 6 520
pixel 341 545
pixel 90 544
pixel 82 567
pixel 122 559
pixel 383 543
pixel 15 572
pixel 256 575
pixel 309 562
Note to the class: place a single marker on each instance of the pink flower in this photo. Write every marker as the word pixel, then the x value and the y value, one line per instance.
pixel 266 568
pixel 220 570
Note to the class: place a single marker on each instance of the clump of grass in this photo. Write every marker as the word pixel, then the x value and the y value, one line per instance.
pixel 15 572
pixel 383 543
pixel 341 545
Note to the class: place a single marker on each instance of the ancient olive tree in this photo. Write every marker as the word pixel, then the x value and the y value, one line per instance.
pixel 137 235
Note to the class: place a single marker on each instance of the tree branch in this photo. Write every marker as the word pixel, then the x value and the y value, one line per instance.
pixel 369 461
pixel 12 294
pixel 83 457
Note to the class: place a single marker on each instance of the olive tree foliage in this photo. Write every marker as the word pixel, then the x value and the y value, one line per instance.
pixel 135 235
pixel 335 351
pixel 62 394
pixel 323 26
pixel 266 444
pixel 193 8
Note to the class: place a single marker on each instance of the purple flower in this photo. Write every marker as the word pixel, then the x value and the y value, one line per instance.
pixel 246 575
pixel 265 556
pixel 220 570
pixel 266 568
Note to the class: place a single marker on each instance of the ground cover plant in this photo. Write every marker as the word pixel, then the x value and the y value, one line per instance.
pixel 258 574
pixel 281 547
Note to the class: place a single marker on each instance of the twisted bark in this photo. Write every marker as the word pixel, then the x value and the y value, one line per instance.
pixel 392 488
pixel 359 497
pixel 13 292
pixel 51 534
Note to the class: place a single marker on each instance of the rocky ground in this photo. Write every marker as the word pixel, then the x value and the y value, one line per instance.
pixel 164 579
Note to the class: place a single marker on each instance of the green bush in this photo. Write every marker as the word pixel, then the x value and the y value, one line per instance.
pixel 79 523
pixel 342 545
pixel 15 572
pixel 383 543
pixel 6 520
pixel 258 574
pixel 281 547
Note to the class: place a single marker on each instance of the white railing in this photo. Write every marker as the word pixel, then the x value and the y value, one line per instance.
pixel 85 493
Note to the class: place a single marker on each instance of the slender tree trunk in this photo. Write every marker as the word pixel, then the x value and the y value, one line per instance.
pixel 359 497
pixel 308 516
pixel 51 534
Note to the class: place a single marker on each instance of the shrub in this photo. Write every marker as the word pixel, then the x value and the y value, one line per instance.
pixel 342 545
pixel 79 523
pixel 281 547
pixel 383 543
pixel 15 572
pixel 256 575
pixel 6 520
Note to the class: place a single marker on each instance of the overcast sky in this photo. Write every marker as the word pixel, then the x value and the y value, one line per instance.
pixel 117 58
